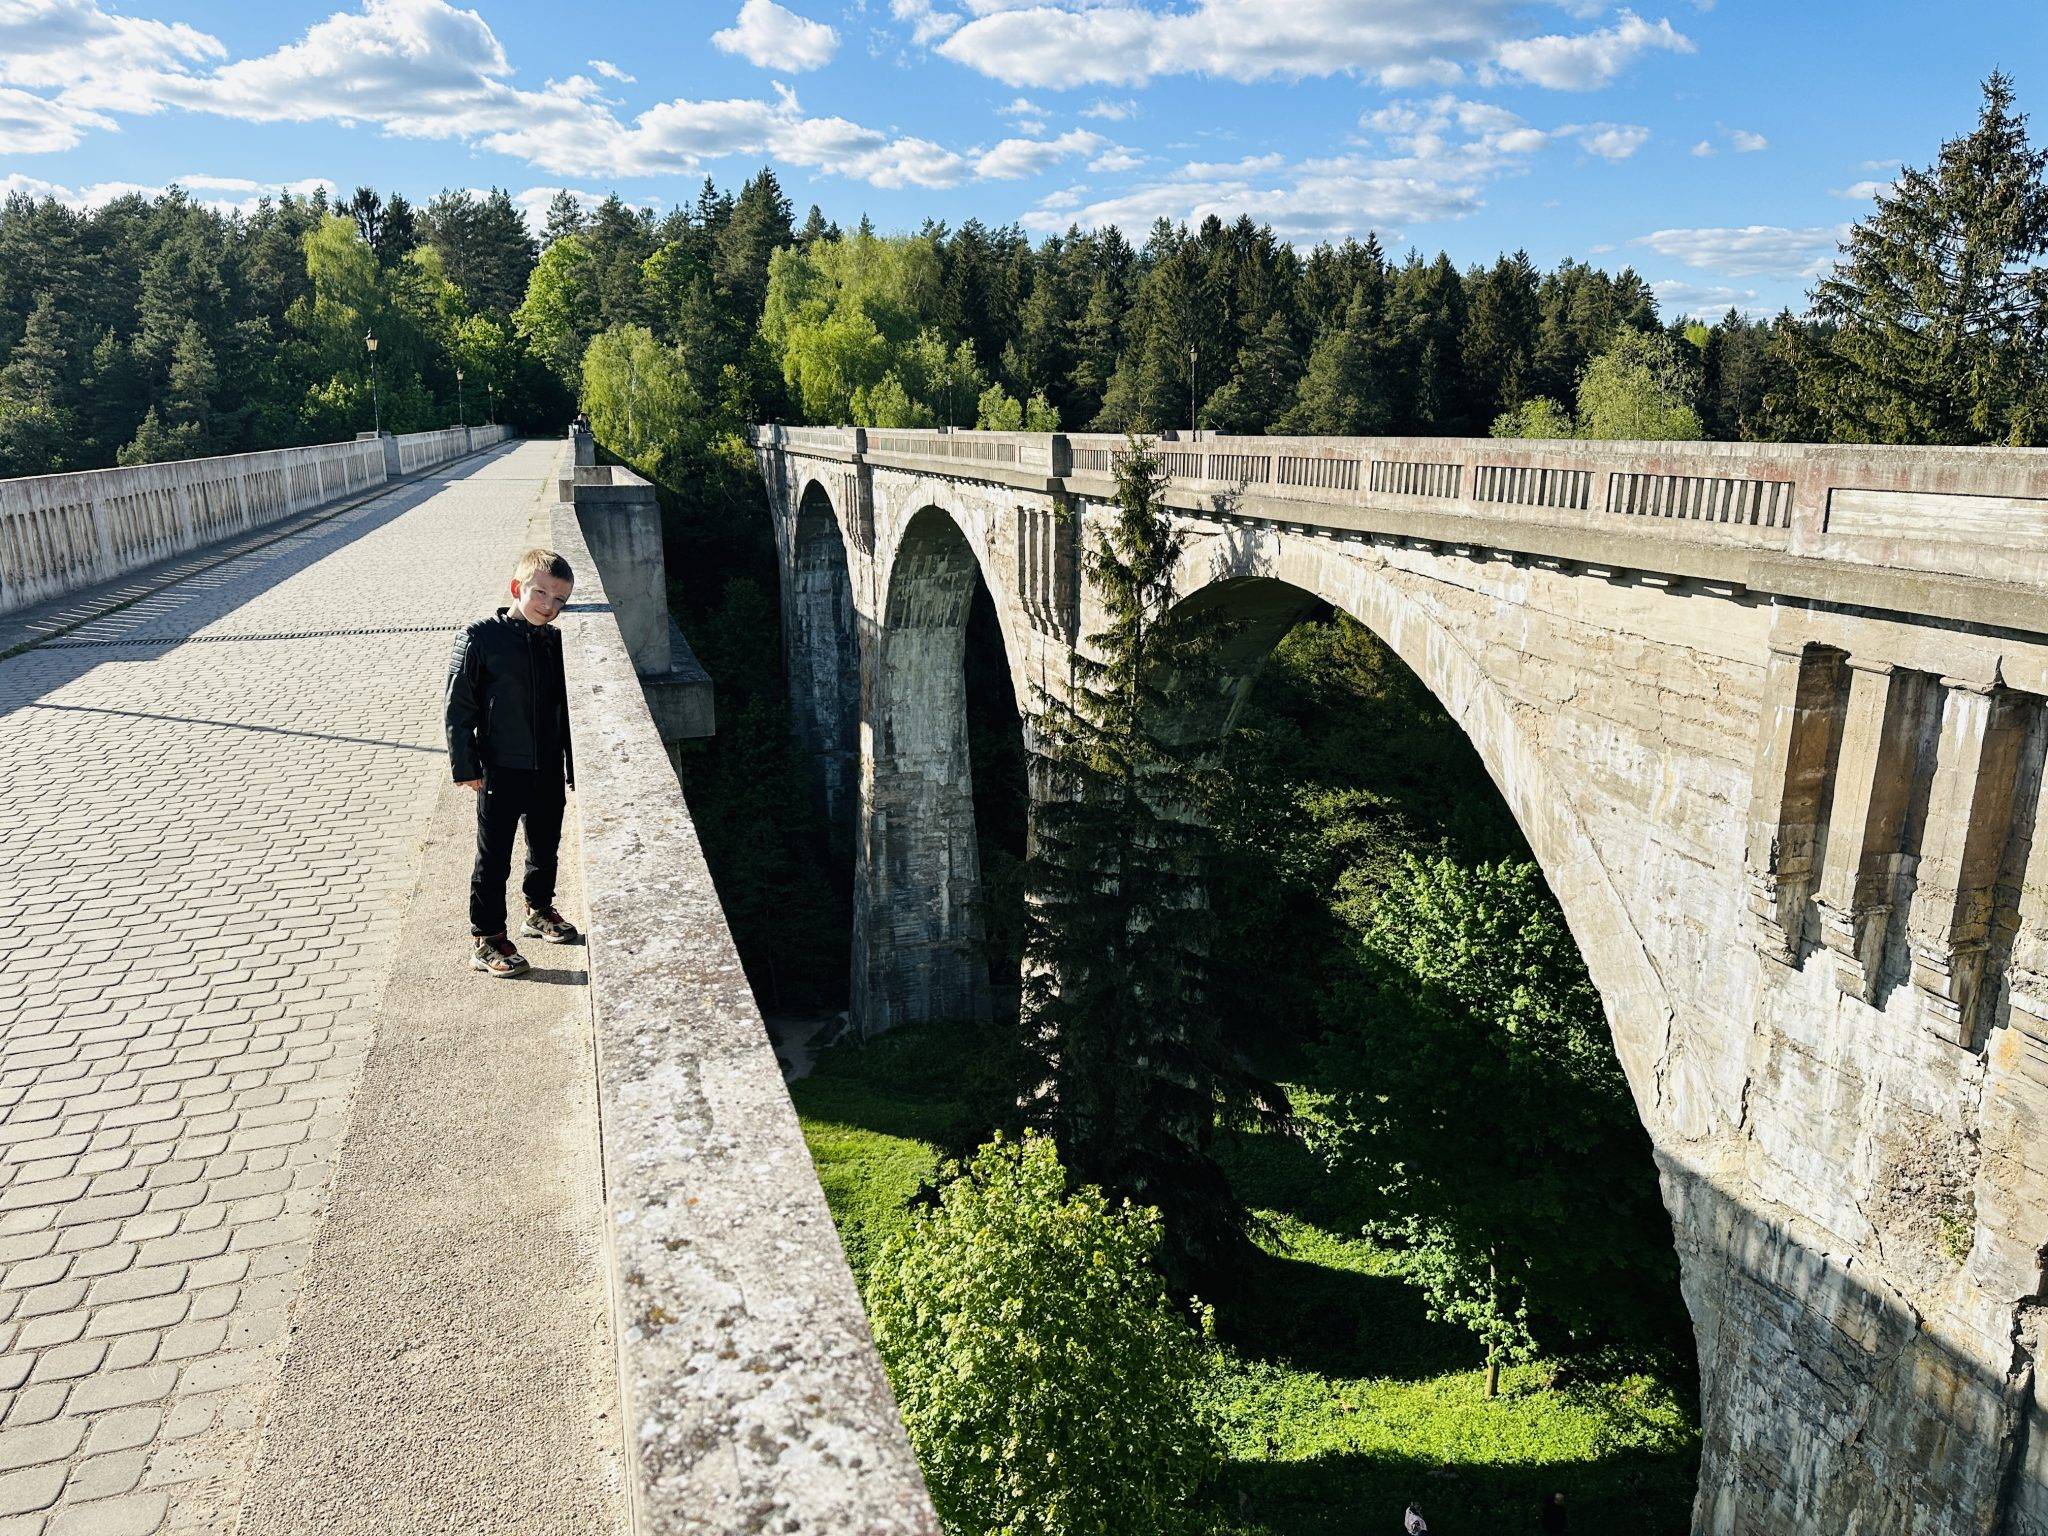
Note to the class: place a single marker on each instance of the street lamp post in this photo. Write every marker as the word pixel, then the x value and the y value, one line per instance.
pixel 376 410
pixel 490 404
pixel 460 416
pixel 1191 387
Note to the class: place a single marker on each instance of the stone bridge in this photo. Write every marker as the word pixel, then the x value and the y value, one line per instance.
pixel 1772 720
pixel 305 1229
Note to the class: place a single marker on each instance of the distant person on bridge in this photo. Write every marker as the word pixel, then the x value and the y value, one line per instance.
pixel 508 740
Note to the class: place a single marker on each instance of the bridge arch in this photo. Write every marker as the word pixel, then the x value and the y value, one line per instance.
pixel 822 638
pixel 919 927
pixel 1268 581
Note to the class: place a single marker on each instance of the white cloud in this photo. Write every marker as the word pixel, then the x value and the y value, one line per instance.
pixel 36 125
pixel 1441 155
pixel 1610 141
pixel 1703 149
pixel 1424 129
pixel 1114 159
pixel 1709 301
pixel 1862 191
pixel 1755 250
pixel 610 70
pixel 91 57
pixel 927 22
pixel 1112 111
pixel 424 69
pixel 1747 143
pixel 775 37
pixel 1591 59
pixel 100 193
pixel 1060 44
pixel 1023 106
pixel 1014 159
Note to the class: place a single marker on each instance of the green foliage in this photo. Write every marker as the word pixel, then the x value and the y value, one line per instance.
pixel 559 314
pixel 1333 1390
pixel 1641 387
pixel 1473 1082
pixel 638 398
pixel 1124 1030
pixel 1000 411
pixel 1539 416
pixel 1049 1384
pixel 1931 325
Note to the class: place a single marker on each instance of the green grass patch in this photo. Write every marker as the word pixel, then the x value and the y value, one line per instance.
pixel 1340 1399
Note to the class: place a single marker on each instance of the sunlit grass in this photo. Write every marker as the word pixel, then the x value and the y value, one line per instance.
pixel 1340 1401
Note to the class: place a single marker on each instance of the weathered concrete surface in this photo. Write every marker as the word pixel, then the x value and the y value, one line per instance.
pixel 754 1398
pixel 1783 775
pixel 450 1365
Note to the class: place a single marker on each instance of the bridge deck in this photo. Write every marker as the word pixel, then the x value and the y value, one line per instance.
pixel 213 808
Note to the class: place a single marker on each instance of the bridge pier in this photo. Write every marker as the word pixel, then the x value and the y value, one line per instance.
pixel 918 953
pixel 822 659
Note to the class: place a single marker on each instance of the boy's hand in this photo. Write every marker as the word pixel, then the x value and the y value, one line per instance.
pixel 475 784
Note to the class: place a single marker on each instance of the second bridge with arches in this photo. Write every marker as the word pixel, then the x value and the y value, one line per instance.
pixel 1771 718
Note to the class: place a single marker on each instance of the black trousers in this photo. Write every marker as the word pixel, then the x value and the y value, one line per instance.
pixel 510 796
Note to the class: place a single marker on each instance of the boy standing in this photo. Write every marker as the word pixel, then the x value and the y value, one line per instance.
pixel 508 740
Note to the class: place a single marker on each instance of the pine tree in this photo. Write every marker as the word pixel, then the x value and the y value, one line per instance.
pixel 1933 319
pixel 36 424
pixel 1268 369
pixel 564 217
pixel 1121 1033
pixel 193 380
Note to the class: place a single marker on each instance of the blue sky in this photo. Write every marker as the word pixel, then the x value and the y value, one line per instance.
pixel 1719 148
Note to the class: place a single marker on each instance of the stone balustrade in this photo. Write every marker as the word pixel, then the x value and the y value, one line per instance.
pixel 62 532
pixel 1768 516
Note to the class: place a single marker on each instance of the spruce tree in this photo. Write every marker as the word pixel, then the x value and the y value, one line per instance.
pixel 1344 392
pixel 1127 1063
pixel 1932 322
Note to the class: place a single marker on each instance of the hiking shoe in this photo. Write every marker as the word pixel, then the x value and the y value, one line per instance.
pixel 495 956
pixel 546 923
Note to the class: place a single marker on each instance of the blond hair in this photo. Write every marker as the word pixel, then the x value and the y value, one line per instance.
pixel 535 561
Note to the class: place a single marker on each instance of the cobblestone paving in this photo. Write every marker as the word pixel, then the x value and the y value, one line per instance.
pixel 211 803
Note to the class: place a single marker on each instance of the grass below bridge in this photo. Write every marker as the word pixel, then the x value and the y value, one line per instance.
pixel 1341 1401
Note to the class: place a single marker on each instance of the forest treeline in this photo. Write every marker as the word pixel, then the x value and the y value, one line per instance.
pixel 156 328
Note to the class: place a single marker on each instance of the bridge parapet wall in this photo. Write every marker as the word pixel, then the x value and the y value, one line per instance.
pixel 1772 517
pixel 753 1396
pixel 62 532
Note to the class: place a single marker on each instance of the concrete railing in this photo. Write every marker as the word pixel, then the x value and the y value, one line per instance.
pixel 753 1398
pixel 62 532
pixel 1979 513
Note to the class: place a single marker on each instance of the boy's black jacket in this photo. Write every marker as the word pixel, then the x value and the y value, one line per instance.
pixel 508 704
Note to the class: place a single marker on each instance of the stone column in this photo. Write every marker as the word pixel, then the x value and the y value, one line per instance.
pixel 917 943
pixel 1789 795
pixel 1866 825
pixel 823 663
pixel 1969 817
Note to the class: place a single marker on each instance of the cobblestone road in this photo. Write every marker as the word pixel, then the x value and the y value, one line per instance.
pixel 211 803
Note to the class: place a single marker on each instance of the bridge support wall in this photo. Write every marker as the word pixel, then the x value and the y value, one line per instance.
pixel 1772 720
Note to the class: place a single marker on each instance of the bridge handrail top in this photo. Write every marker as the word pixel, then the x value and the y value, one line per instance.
pixel 366 444
pixel 1172 440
